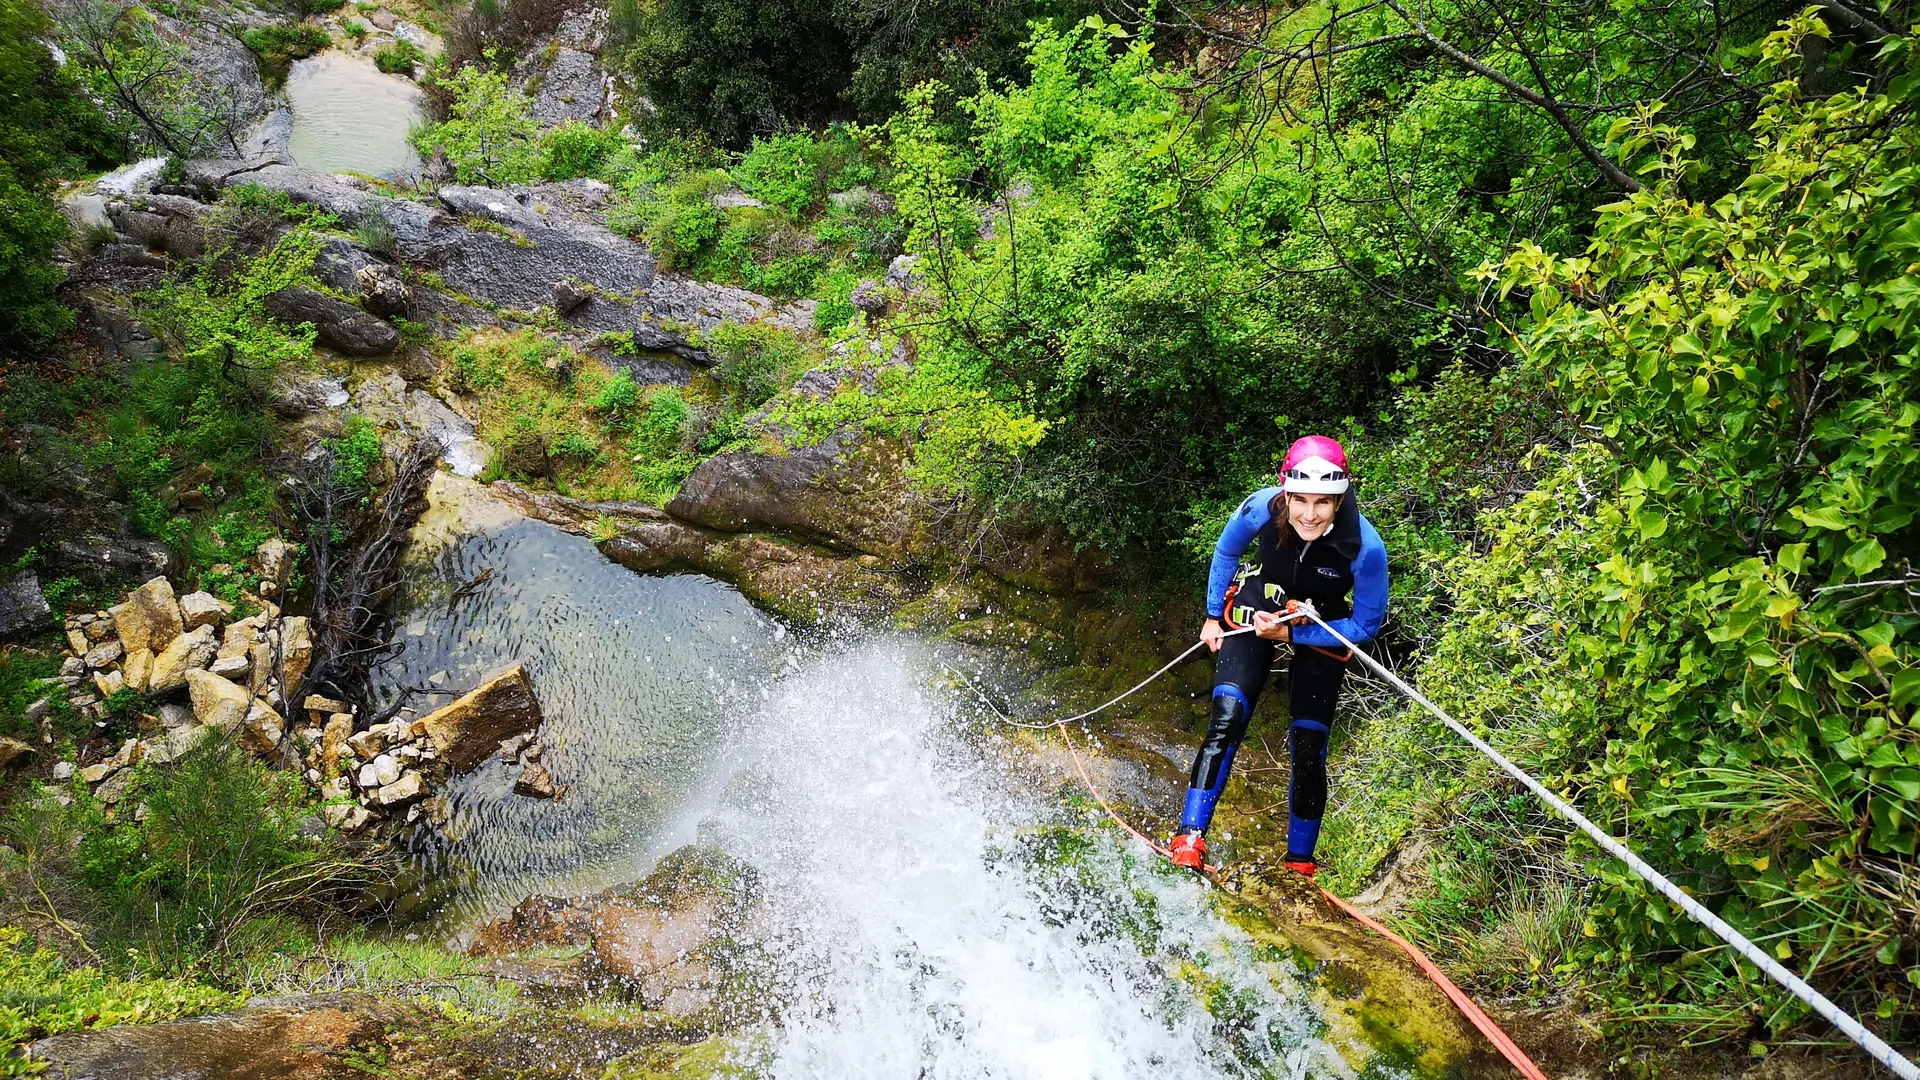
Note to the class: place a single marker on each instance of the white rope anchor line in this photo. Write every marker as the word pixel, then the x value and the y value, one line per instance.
pixel 1874 1045
pixel 1137 687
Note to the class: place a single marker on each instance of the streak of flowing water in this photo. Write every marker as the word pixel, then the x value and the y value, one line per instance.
pixel 927 916
pixel 349 116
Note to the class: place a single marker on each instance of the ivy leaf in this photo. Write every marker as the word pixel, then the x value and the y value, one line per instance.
pixel 1824 517
pixel 1866 556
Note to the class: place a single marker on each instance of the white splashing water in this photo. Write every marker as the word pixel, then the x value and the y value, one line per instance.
pixel 927 947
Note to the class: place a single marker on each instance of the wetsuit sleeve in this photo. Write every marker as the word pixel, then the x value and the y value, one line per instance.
pixel 1369 597
pixel 1235 539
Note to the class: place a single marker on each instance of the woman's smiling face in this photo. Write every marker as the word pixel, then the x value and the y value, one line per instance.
pixel 1311 515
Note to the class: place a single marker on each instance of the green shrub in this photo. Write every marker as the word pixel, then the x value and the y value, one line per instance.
pixel 754 361
pixel 219 848
pixel 42 994
pixel 355 30
pixel 782 172
pixel 279 46
pixel 489 135
pixel 476 369
pixel 617 398
pixel 397 57
pixel 576 149
pixel 357 454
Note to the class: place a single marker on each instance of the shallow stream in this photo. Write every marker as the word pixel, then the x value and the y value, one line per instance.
pixel 925 922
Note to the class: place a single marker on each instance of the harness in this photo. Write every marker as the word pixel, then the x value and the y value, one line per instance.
pixel 1279 577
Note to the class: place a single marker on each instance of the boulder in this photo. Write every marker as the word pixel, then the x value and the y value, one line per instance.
pixel 99 771
pixel 569 294
pixel 366 745
pixel 191 651
pixel 273 560
pixel 104 654
pixel 381 771
pixel 337 324
pixel 469 730
pixel 318 703
pixel 203 609
pixel 13 751
pixel 23 607
pixel 409 787
pixel 262 729
pixel 347 817
pixel 218 703
pixel 116 787
pixel 296 649
pixel 382 291
pixel 536 782
pixel 137 669
pixel 150 617
pixel 846 491
pixel 333 739
pixel 109 683
pixel 237 668
pixel 177 741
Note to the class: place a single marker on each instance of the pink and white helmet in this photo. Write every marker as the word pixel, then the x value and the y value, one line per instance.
pixel 1315 465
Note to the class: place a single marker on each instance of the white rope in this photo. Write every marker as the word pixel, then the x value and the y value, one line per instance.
pixel 1137 687
pixel 1875 1046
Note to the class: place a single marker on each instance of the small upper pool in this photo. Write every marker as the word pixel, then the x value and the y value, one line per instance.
pixel 349 116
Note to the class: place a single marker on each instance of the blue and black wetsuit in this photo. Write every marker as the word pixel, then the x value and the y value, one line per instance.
pixel 1348 560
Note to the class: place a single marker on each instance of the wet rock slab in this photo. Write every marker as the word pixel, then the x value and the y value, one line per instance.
pixel 279 1038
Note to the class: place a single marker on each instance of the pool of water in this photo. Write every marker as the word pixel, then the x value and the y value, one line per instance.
pixel 638 678
pixel 349 116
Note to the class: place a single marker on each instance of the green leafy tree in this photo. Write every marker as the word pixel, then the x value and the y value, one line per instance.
pixel 490 136
pixel 48 129
pixel 1702 620
pixel 144 71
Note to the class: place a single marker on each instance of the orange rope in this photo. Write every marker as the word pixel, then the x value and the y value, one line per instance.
pixel 1500 1039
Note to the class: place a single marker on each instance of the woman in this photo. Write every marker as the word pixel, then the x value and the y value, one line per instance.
pixel 1313 546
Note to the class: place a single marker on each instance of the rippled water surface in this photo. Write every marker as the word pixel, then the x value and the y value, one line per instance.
pixel 928 916
pixel 349 116
pixel 638 677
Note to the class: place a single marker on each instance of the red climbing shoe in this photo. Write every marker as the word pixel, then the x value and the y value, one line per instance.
pixel 1188 850
pixel 1301 866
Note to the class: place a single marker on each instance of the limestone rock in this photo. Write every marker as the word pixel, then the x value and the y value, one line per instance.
pixel 296 649
pixel 239 638
pixel 333 739
pixel 109 683
pixel 262 729
pixel 347 817
pixel 409 787
pixel 203 609
pixel 232 667
pixel 336 323
pixel 536 782
pixel 116 787
pixel 150 616
pixel 177 741
pixel 381 771
pixel 191 651
pixel 569 294
pixel 73 665
pixel 273 560
pixel 317 703
pixel 62 770
pixel 23 607
pixel 382 291
pixel 469 730
pixel 217 702
pixel 99 771
pixel 13 751
pixel 368 744
pixel 77 643
pixel 104 654
pixel 137 669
